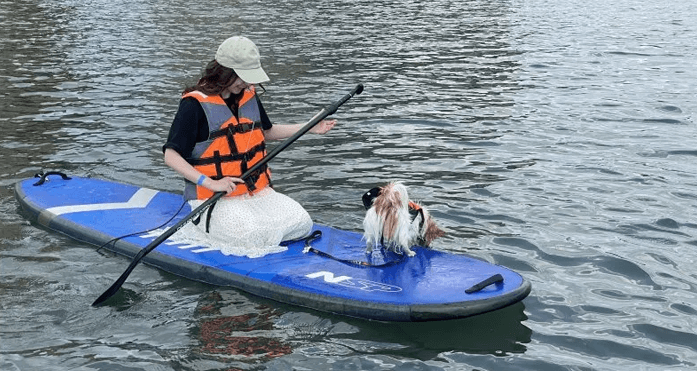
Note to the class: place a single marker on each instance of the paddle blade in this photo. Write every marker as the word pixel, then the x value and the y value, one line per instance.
pixel 111 291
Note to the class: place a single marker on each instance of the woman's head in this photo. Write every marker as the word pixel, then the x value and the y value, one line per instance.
pixel 236 57
pixel 214 80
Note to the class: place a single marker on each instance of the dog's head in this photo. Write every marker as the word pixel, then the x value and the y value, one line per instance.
pixel 428 229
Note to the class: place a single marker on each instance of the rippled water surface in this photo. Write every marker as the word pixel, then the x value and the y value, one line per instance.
pixel 556 138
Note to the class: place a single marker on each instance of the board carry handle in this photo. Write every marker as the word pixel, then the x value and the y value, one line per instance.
pixel 497 278
pixel 43 177
pixel 321 115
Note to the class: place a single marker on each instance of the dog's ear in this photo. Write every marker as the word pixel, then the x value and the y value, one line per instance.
pixel 369 196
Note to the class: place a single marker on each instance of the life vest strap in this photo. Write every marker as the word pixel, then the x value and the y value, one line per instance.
pixel 246 157
pixel 252 179
pixel 232 129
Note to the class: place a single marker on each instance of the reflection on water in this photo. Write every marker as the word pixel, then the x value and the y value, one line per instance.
pixel 226 330
pixel 554 138
pixel 229 329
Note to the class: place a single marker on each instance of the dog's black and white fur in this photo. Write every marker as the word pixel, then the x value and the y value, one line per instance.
pixel 395 222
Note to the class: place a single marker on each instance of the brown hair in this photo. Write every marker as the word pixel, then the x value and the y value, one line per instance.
pixel 214 80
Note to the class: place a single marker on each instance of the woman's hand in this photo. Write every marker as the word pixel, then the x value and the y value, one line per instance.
pixel 227 184
pixel 323 127
pixel 174 160
pixel 285 131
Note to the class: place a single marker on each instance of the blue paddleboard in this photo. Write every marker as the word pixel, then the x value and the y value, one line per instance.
pixel 432 285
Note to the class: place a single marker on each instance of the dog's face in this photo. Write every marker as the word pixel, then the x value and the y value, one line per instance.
pixel 427 228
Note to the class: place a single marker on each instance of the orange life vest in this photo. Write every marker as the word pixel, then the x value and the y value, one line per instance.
pixel 234 145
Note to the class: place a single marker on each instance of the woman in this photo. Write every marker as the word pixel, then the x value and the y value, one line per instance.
pixel 220 131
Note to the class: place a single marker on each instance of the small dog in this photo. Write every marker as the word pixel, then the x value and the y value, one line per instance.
pixel 395 222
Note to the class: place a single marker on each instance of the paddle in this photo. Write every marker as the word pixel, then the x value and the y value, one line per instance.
pixel 196 212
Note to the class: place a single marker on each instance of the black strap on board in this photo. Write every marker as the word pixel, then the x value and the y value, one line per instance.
pixel 358 263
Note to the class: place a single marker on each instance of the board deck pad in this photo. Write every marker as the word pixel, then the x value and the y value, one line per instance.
pixel 429 286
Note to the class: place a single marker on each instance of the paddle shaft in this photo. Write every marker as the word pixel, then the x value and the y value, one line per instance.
pixel 200 209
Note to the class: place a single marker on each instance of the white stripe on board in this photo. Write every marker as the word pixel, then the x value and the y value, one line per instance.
pixel 184 247
pixel 204 250
pixel 139 200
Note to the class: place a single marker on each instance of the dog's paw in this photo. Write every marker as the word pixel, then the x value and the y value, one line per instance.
pixel 409 252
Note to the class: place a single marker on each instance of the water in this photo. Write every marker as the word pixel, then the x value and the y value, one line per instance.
pixel 556 138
